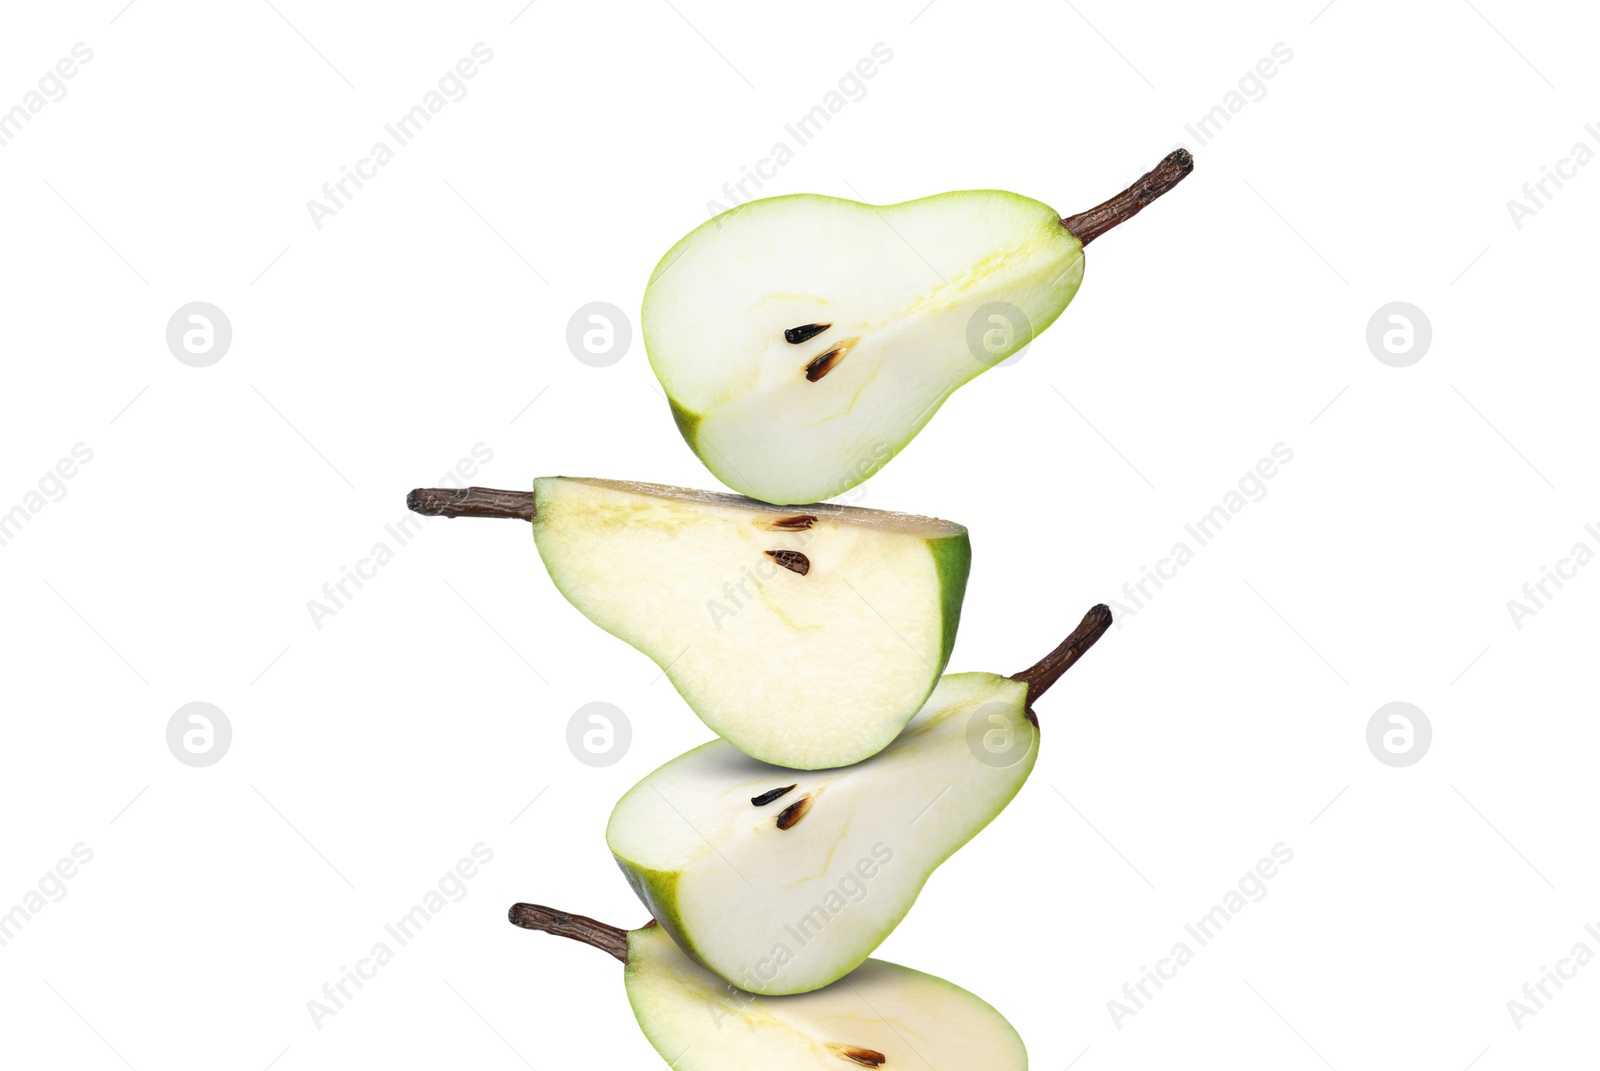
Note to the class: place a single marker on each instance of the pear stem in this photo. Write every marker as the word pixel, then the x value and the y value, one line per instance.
pixel 1042 674
pixel 471 502
pixel 1087 226
pixel 576 927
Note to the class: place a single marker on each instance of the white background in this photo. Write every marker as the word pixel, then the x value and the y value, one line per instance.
pixel 369 356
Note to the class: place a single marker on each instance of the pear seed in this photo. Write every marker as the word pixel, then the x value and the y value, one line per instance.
pixel 798 523
pixel 791 815
pixel 857 1055
pixel 805 332
pixel 791 560
pixel 770 795
pixel 821 366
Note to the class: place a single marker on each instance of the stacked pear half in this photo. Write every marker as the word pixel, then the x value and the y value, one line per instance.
pixel 803 341
pixel 806 637
pixel 881 1015
pixel 782 881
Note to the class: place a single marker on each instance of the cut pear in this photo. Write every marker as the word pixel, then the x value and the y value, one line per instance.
pixel 804 636
pixel 866 1020
pixel 782 881
pixel 804 340
pixel 790 896
pixel 882 298
pixel 881 1016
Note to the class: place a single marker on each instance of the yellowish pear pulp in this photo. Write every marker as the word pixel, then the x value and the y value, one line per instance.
pixel 806 636
pixel 782 881
pixel 881 1015
pixel 914 300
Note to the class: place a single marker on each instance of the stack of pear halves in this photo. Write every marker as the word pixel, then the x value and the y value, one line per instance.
pixel 802 342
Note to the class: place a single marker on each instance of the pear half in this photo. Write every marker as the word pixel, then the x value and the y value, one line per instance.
pixel 880 1016
pixel 782 881
pixel 805 636
pixel 803 340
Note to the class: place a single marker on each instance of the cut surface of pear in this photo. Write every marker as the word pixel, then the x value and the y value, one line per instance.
pixel 791 895
pixel 803 340
pixel 806 636
pixel 782 881
pixel 881 1016
pixel 896 288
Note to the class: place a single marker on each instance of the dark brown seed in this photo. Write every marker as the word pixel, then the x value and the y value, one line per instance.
pixel 824 364
pixel 796 335
pixel 770 795
pixel 791 560
pixel 797 523
pixel 857 1055
pixel 790 816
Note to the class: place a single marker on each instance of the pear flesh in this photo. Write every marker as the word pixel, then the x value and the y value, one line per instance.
pixel 805 636
pixel 881 1016
pixel 893 308
pixel 783 881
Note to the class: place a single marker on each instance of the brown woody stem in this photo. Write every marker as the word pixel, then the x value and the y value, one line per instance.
pixel 1087 226
pixel 1042 674
pixel 548 920
pixel 471 502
